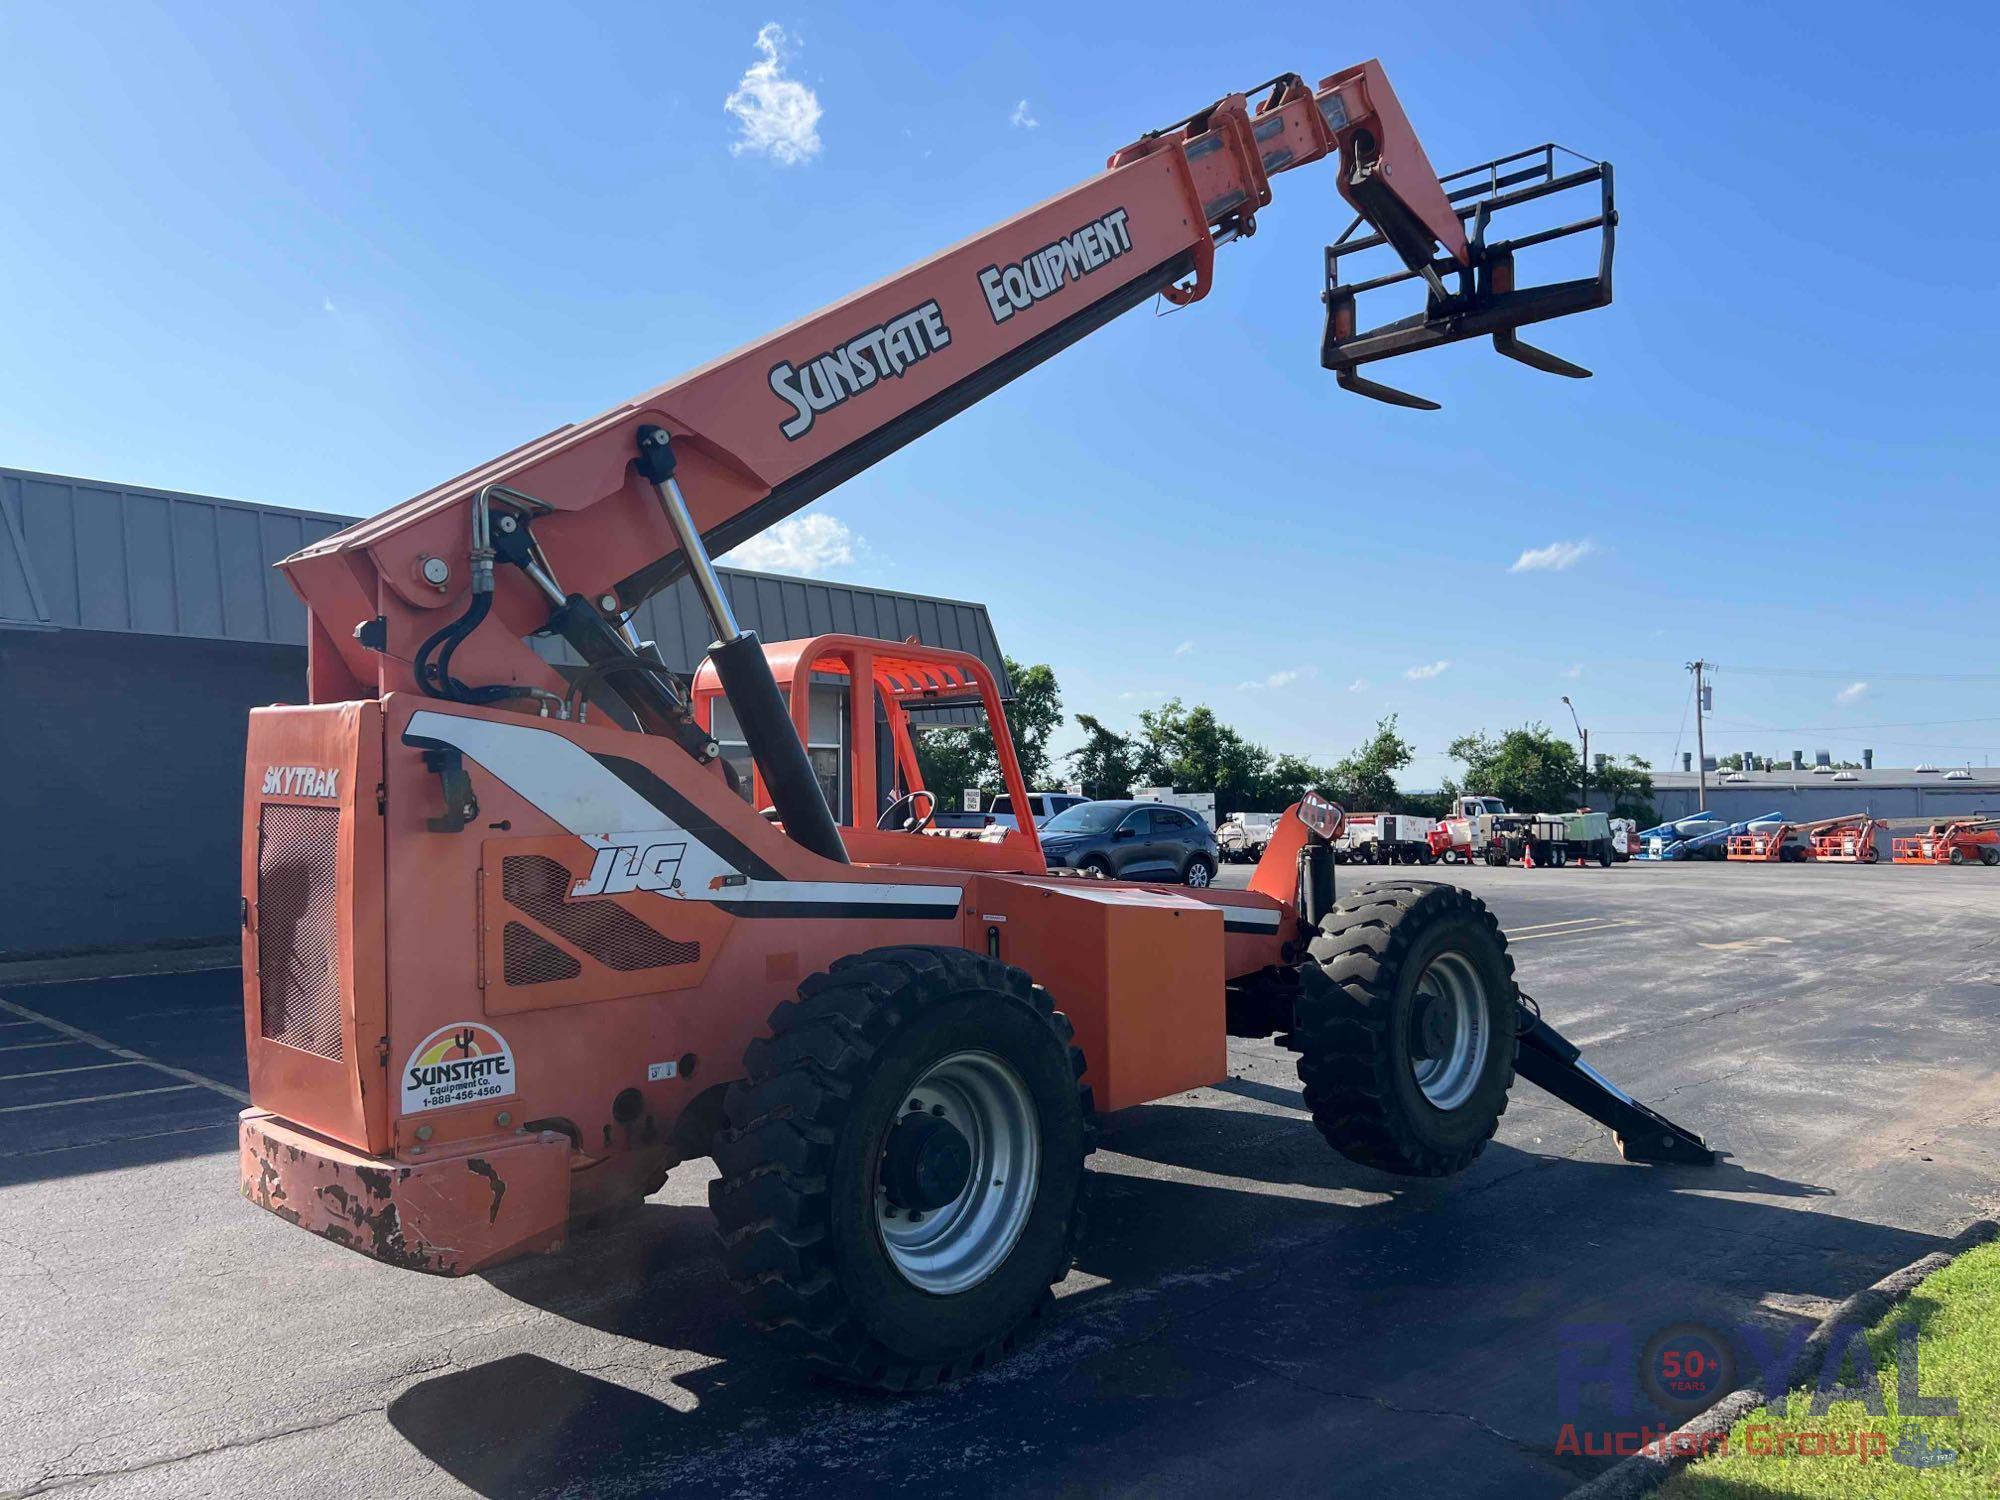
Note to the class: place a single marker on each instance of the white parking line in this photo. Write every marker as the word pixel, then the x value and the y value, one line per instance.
pixel 1573 931
pixel 31 1046
pixel 1565 922
pixel 172 1088
pixel 77 1034
pixel 58 1072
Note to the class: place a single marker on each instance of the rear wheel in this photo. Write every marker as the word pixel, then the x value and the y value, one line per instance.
pixel 1199 873
pixel 1989 856
pixel 1406 1027
pixel 902 1175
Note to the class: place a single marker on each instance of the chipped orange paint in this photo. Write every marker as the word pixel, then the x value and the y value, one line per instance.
pixel 459 1211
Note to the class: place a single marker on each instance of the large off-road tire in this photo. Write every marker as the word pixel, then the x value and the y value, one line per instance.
pixel 834 1208
pixel 1406 1027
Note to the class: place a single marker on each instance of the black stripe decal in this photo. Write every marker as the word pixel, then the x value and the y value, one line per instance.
pixel 1267 929
pixel 698 824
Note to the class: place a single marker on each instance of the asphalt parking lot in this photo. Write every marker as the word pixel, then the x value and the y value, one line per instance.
pixel 1251 1313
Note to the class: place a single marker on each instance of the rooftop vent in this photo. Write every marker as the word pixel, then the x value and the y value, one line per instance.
pixel 1845 776
pixel 1822 769
pixel 1963 773
pixel 1925 768
pixel 1736 776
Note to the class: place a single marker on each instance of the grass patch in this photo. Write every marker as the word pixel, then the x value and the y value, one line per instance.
pixel 1956 1315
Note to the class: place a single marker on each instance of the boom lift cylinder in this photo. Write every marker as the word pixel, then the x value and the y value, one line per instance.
pixel 745 672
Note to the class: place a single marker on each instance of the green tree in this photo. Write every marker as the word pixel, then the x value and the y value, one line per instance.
pixel 1192 750
pixel 1530 768
pixel 1366 779
pixel 1625 789
pixel 961 756
pixel 1106 763
pixel 1290 777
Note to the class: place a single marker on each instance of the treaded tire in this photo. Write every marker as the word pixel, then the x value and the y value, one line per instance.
pixel 1356 997
pixel 795 1204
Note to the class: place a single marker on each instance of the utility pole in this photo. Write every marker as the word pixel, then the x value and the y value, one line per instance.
pixel 1583 735
pixel 1700 743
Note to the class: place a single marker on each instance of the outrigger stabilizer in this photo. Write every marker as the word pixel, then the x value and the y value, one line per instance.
pixel 1483 299
pixel 1552 1062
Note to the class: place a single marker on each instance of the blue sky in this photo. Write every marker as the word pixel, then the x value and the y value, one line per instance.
pixel 325 255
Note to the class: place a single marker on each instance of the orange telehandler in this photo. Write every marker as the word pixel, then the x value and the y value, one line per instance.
pixel 507 963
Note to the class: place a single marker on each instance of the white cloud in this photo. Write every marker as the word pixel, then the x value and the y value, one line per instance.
pixel 1021 119
pixel 1359 685
pixel 1427 671
pixel 1553 558
pixel 1280 679
pixel 778 116
pixel 803 544
pixel 326 305
pixel 1851 692
pixel 1185 648
pixel 1574 671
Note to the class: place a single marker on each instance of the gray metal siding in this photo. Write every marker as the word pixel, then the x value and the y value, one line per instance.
pixel 788 609
pixel 1813 798
pixel 84 555
pixel 87 555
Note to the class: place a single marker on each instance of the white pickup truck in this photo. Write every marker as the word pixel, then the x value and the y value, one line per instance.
pixel 1041 807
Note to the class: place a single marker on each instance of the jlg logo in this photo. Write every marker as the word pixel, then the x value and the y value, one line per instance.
pixel 633 867
pixel 300 781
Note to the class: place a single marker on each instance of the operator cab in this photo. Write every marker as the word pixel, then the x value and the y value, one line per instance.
pixel 867 762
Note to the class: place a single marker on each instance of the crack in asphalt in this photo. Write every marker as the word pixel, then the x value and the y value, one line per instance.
pixel 57 1480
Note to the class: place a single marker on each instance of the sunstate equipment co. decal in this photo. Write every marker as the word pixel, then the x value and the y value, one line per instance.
pixel 882 352
pixel 1017 287
pixel 463 1063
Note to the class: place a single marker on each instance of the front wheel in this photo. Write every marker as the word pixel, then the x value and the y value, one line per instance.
pixel 1405 1027
pixel 1199 872
pixel 902 1172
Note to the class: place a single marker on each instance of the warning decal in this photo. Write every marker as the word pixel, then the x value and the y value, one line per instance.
pixel 464 1063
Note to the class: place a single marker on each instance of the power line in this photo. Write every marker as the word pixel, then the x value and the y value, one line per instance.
pixel 1839 675
pixel 1840 729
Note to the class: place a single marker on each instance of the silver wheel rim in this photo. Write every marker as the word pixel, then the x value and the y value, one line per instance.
pixel 956 1247
pixel 1197 874
pixel 1452 991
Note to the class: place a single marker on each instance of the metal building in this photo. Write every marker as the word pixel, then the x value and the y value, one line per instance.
pixel 1806 793
pixel 138 627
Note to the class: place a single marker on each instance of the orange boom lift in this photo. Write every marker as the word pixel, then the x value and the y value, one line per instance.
pixel 508 961
pixel 1961 842
pixel 1851 840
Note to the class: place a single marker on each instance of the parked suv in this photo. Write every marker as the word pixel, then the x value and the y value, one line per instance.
pixel 1132 841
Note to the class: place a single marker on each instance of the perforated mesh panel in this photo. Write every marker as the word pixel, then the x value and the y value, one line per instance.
pixel 539 886
pixel 298 978
pixel 531 959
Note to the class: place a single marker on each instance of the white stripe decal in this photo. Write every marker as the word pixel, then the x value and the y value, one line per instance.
pixel 1260 916
pixel 567 782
